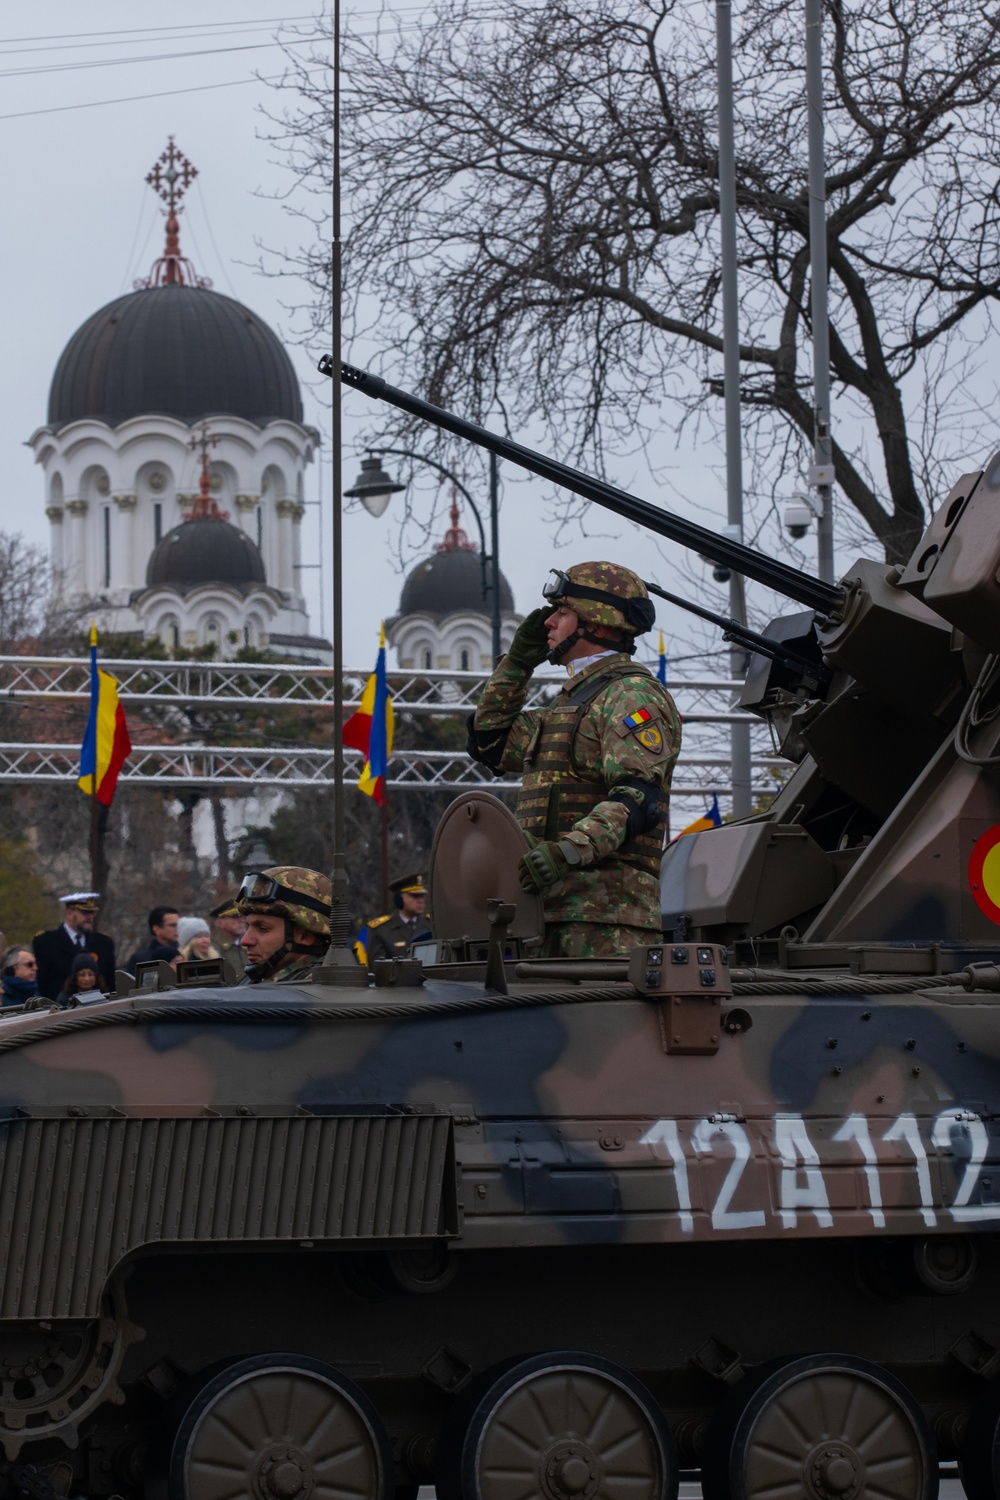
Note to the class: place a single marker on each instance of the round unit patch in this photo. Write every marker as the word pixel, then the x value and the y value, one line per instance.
pixel 984 873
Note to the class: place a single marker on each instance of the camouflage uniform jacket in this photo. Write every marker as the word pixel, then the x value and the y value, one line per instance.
pixel 624 729
pixel 300 971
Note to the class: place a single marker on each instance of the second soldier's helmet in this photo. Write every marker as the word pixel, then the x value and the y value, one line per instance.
pixel 303 896
pixel 603 593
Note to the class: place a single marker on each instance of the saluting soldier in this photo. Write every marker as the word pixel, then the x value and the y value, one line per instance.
pixel 55 950
pixel 391 936
pixel 595 764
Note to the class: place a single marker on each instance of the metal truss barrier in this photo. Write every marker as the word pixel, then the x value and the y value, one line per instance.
pixel 31 682
pixel 214 766
pixel 39 679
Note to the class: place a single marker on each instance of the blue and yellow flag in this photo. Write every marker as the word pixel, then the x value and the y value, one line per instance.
pixel 106 740
pixel 711 818
pixel 370 728
pixel 661 671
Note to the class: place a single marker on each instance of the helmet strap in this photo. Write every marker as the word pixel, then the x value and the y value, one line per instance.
pixel 557 653
pixel 603 643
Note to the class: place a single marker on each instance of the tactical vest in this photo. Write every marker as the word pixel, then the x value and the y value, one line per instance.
pixel 555 794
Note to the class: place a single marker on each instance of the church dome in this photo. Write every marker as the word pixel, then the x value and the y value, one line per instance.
pixel 205 551
pixel 176 350
pixel 451 581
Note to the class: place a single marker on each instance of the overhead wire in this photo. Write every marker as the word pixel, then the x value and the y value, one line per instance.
pixel 119 62
pixel 196 30
pixel 201 88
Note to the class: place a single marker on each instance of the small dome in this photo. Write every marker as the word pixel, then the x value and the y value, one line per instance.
pixel 198 552
pixel 450 583
pixel 178 351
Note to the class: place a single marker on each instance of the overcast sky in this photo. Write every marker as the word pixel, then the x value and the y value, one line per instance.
pixel 81 224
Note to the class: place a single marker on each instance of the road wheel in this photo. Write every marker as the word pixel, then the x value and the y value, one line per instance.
pixel 824 1427
pixel 562 1426
pixel 279 1427
pixel 980 1466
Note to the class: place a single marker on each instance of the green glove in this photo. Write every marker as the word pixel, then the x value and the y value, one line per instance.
pixel 546 863
pixel 530 645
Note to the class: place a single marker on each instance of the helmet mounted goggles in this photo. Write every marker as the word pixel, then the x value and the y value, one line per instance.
pixel 639 613
pixel 260 887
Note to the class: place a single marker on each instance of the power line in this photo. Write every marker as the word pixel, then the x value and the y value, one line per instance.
pixel 118 62
pixel 128 31
pixel 58 109
pixel 65 41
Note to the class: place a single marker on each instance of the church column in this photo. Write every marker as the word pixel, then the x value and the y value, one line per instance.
pixel 55 515
pixel 300 511
pixel 123 569
pixel 77 579
pixel 247 506
pixel 285 511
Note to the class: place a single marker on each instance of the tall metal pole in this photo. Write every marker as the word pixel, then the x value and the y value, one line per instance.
pixel 740 733
pixel 822 472
pixel 495 553
pixel 339 956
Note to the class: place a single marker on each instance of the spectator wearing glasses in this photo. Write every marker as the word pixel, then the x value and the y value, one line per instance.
pixel 20 975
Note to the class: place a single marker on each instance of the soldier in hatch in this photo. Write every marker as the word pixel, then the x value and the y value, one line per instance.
pixel 595 763
pixel 288 923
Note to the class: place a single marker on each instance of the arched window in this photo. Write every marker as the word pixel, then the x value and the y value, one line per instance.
pixel 211 631
pixel 463 660
pixel 428 661
pixel 171 635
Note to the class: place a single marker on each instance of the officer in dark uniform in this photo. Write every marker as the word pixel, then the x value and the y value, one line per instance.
pixel 391 936
pixel 56 950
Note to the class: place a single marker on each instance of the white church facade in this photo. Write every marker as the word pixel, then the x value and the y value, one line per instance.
pixel 163 393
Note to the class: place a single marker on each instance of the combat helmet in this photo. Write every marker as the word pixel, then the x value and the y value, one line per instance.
pixel 299 895
pixel 601 593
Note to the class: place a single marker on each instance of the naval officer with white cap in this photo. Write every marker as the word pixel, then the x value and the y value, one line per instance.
pixel 56 950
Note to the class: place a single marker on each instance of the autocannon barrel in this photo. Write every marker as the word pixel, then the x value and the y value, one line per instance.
pixel 812 592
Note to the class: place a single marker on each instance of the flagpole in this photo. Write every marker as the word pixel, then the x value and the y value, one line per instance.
pixel 94 841
pixel 385 848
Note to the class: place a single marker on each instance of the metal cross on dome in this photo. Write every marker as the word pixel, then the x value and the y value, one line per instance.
pixel 171 176
pixel 205 508
pixel 172 167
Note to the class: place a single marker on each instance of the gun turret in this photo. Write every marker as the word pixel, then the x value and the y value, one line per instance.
pixel 881 834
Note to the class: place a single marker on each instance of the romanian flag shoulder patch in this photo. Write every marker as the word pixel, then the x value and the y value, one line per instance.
pixel 641 716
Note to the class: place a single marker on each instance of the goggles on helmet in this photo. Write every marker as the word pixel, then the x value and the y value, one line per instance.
pixel 258 887
pixel 638 612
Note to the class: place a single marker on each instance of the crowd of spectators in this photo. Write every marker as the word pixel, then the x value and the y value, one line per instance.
pixel 65 963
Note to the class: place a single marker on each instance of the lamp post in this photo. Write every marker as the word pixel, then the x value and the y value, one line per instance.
pixel 375 488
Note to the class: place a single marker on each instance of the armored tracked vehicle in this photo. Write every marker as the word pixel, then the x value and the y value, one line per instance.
pixel 539 1230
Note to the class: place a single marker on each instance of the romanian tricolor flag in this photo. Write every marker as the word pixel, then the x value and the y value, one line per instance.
pixel 661 671
pixel 711 818
pixel 106 742
pixel 370 728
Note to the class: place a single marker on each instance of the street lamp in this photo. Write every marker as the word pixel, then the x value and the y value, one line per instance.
pixel 375 488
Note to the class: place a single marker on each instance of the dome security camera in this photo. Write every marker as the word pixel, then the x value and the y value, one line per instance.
pixel 797 518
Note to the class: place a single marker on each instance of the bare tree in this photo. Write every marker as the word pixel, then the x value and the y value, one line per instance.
pixel 532 197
